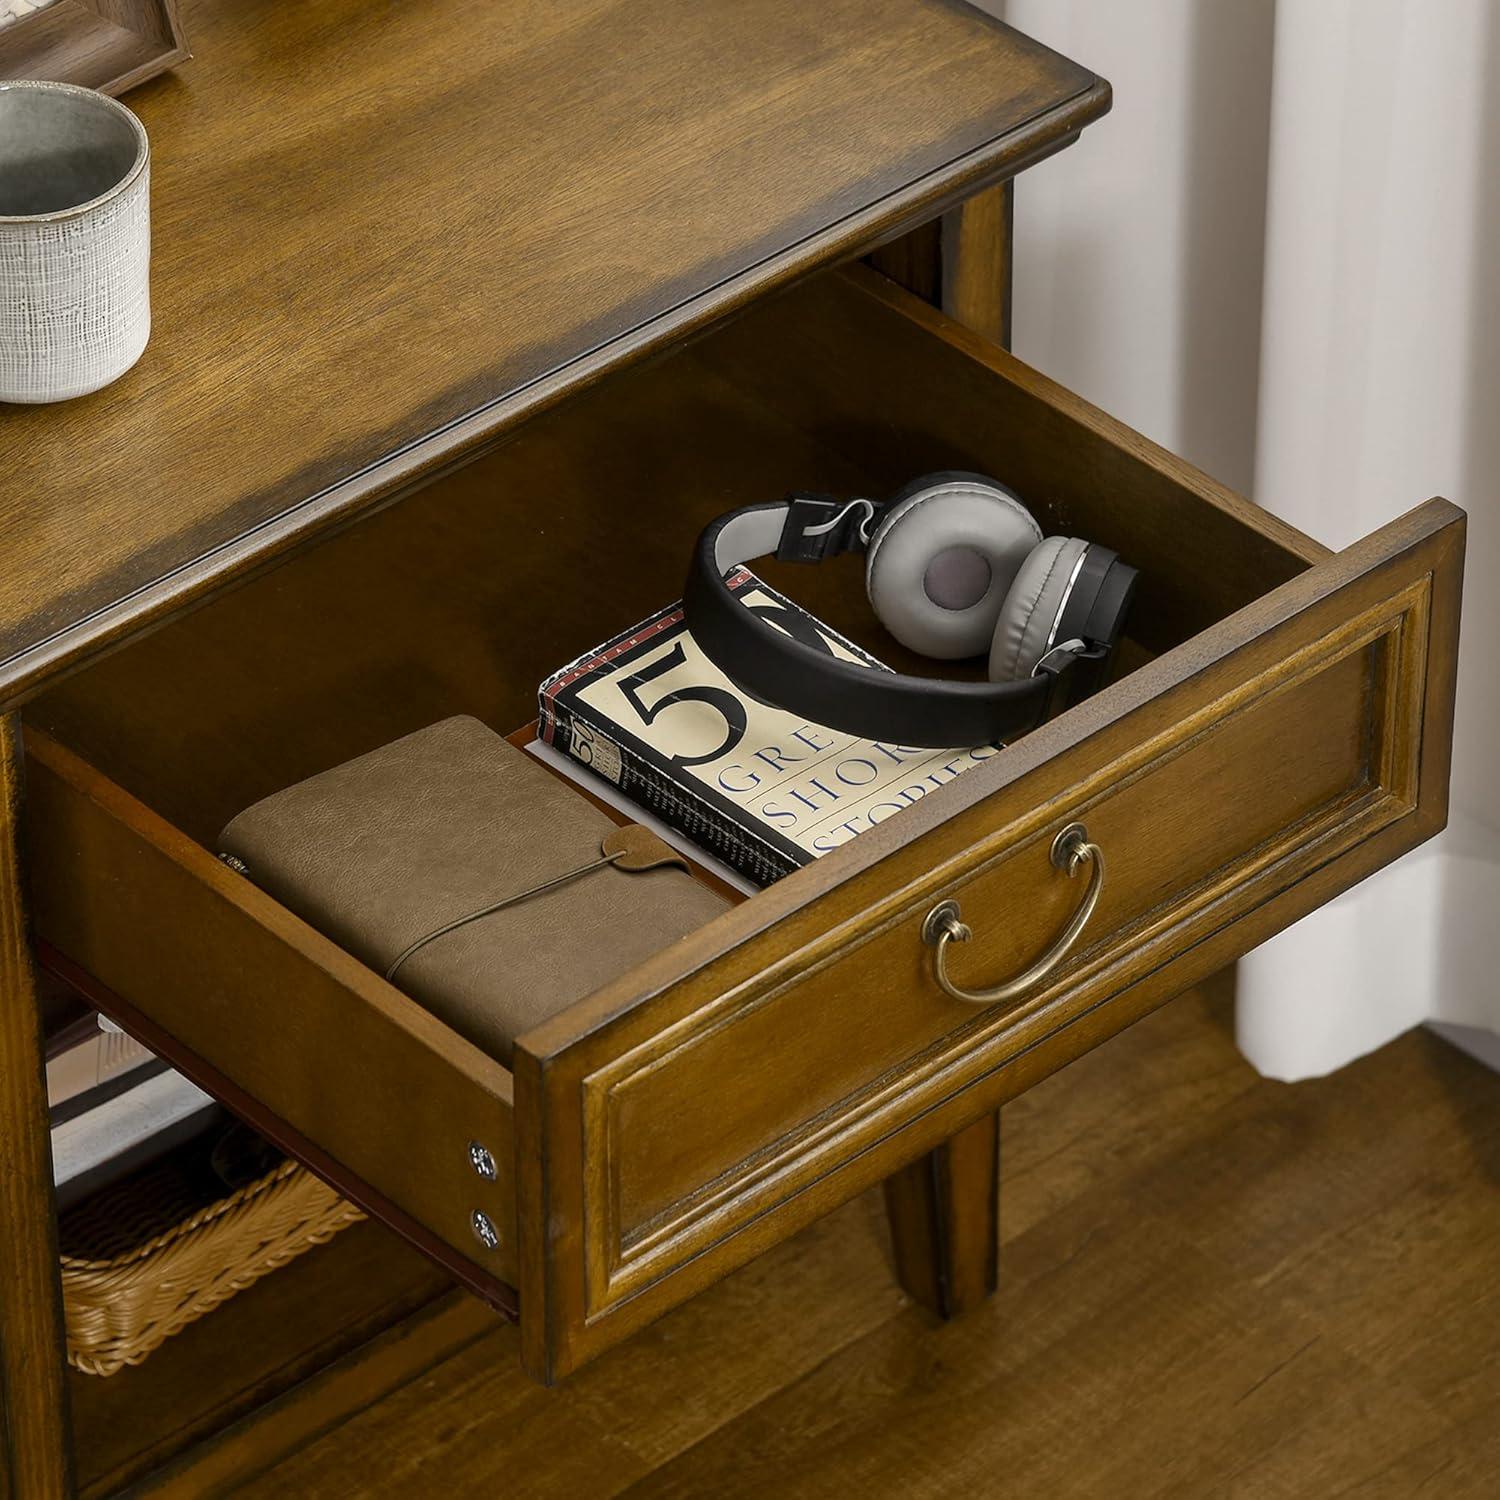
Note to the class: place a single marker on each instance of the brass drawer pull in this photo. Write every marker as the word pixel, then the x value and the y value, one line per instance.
pixel 943 925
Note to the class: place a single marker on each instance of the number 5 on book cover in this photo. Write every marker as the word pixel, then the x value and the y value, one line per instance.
pixel 763 789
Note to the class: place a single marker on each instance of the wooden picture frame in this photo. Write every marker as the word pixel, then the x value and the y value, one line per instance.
pixel 110 45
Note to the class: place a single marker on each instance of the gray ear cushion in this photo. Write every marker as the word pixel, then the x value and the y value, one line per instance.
pixel 959 513
pixel 1032 608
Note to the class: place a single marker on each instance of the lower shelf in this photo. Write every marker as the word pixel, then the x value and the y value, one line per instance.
pixel 279 1333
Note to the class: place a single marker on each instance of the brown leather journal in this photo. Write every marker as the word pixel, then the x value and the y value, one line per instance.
pixel 470 876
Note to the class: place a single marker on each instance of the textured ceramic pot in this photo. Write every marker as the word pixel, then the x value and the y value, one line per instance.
pixel 75 240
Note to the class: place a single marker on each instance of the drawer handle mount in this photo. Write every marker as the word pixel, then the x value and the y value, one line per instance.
pixel 1071 850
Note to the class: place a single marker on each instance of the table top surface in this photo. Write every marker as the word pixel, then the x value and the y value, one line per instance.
pixel 383 233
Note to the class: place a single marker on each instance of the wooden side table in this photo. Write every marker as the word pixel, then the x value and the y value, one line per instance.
pixel 464 324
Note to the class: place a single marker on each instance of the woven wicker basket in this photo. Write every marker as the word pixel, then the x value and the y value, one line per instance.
pixel 141 1283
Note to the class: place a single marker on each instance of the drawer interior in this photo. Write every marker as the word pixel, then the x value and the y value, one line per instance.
pixel 460 598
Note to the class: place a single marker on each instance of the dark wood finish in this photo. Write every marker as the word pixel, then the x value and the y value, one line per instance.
pixel 432 608
pixel 383 235
pixel 369 276
pixel 1240 1266
pixel 333 1304
pixel 858 360
pixel 346 1060
pixel 499 1296
pixel 1349 662
pixel 285 1424
pixel 915 261
pixel 1269 757
pixel 1323 697
pixel 707 1365
pixel 961 262
pixel 109 45
pixel 977 253
pixel 1189 1249
pixel 34 1462
pixel 944 1210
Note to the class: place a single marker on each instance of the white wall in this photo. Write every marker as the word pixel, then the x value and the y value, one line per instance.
pixel 1279 255
pixel 1139 249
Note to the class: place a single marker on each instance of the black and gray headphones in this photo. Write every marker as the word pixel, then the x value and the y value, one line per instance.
pixel 955 566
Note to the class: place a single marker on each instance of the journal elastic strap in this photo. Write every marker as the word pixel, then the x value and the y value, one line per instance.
pixel 631 848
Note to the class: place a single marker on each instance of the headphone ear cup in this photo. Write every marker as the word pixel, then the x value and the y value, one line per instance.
pixel 1032 608
pixel 942 559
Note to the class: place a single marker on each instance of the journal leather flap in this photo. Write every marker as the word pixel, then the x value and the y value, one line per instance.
pixel 478 882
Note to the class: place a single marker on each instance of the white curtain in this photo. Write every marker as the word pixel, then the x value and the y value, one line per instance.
pixel 1280 256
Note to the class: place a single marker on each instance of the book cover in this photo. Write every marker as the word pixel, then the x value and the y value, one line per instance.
pixel 117 1136
pixel 762 789
pixel 97 1058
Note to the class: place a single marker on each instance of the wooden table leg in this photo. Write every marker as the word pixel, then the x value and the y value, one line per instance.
pixel 944 1211
pixel 34 1462
pixel 978 256
pixel 961 262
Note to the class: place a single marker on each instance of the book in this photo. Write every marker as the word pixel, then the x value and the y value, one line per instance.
pixel 602 791
pixel 764 790
pixel 103 1144
pixel 416 839
pixel 114 1105
pixel 94 1057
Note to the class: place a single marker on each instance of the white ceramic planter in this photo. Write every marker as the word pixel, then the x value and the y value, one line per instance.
pixel 75 241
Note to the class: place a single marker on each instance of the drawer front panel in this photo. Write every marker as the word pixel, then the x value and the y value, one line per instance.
pixel 693 1126
pixel 824 1030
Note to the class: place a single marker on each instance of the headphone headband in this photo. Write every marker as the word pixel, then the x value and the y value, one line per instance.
pixel 771 665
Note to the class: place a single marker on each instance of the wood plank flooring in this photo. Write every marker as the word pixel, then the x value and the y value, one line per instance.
pixel 1212 1285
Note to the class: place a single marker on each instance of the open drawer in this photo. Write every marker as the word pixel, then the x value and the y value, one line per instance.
pixel 1279 728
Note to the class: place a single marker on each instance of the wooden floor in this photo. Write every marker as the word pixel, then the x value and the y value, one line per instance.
pixel 1213 1285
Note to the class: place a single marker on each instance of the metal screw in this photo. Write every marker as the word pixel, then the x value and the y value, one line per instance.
pixel 484 1230
pixel 482 1162
pixel 236 864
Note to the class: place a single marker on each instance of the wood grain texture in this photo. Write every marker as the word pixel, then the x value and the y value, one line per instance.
pixel 477 1278
pixel 1189 1249
pixel 1310 1309
pixel 961 262
pixel 271 409
pixel 431 608
pixel 859 361
pixel 382 233
pixel 1349 662
pixel 914 260
pixel 977 248
pixel 944 1210
pixel 1329 677
pixel 286 1423
pixel 335 1304
pixel 348 1061
pixel 109 45
pixel 419 613
pixel 34 1459
pixel 644 1404
pixel 865 976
